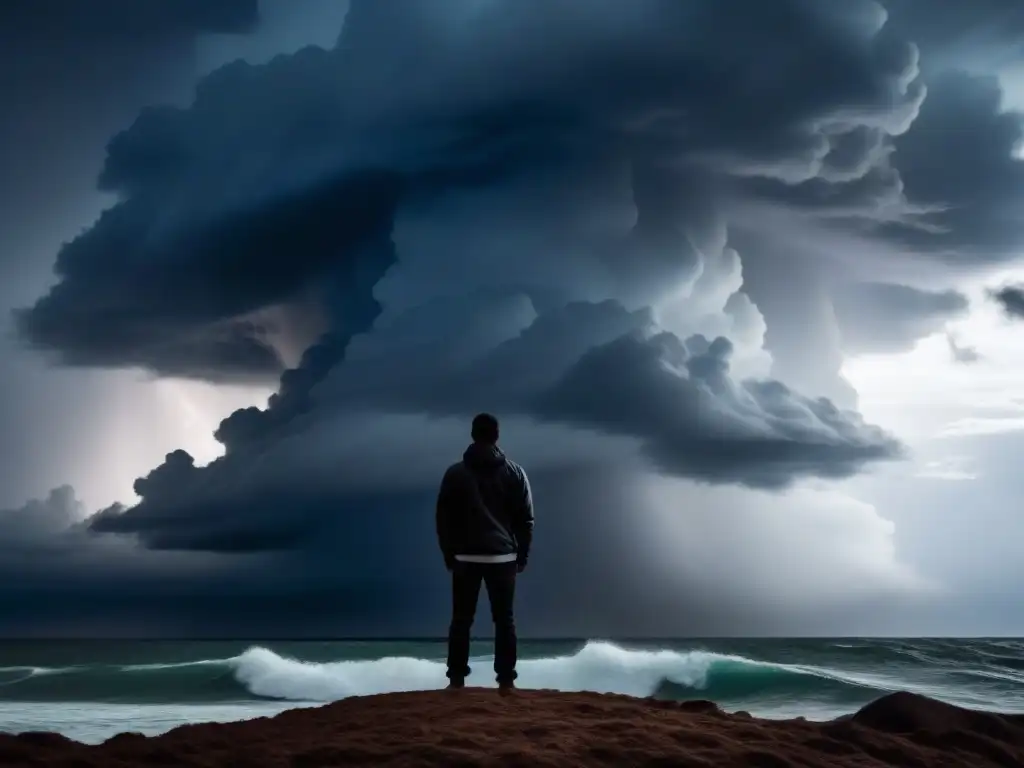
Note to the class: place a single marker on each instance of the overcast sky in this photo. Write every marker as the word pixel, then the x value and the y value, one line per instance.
pixel 742 280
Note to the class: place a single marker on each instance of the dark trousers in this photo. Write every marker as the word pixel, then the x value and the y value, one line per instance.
pixel 500 579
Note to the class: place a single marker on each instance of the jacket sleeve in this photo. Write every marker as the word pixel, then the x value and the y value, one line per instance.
pixel 523 521
pixel 445 510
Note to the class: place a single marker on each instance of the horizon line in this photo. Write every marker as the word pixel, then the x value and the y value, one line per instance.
pixel 443 639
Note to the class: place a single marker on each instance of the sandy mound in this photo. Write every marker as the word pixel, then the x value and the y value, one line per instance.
pixel 475 727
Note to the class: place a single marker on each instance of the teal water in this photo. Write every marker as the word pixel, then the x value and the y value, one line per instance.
pixel 90 690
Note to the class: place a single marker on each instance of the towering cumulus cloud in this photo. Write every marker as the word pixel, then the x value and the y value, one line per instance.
pixel 546 209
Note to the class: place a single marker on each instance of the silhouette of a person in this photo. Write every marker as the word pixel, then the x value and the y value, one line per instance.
pixel 485 528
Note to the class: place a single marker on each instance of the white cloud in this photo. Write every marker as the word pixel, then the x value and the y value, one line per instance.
pixel 811 547
pixel 925 394
pixel 953 468
pixel 977 426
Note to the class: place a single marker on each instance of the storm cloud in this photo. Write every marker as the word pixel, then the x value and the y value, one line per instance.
pixel 548 231
pixel 324 124
pixel 1010 298
pixel 888 317
pixel 960 28
pixel 141 305
pixel 106 19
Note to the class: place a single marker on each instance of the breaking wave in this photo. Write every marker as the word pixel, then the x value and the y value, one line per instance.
pixel 261 674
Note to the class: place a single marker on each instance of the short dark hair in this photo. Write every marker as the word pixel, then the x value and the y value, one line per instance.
pixel 485 428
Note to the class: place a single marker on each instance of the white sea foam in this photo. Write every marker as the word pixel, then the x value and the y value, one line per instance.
pixel 599 666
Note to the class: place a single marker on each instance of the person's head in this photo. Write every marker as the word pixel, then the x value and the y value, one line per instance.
pixel 485 429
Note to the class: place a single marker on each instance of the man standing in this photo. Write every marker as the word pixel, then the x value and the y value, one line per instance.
pixel 484 527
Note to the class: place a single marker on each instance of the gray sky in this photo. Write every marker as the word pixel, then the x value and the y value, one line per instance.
pixel 743 294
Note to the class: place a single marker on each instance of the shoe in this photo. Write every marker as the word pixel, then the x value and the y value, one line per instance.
pixel 506 689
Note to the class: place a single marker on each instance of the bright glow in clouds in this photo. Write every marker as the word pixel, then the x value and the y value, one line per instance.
pixel 144 420
pixel 1011 79
pixel 825 549
pixel 926 394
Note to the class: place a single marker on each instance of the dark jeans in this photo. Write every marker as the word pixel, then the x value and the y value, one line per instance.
pixel 500 579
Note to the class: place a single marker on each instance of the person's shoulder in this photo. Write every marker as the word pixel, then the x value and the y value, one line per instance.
pixel 458 468
pixel 515 469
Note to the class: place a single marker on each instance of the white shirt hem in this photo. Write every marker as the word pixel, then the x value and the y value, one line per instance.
pixel 510 558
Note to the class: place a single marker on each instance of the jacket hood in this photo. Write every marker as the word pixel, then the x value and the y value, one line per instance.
pixel 483 457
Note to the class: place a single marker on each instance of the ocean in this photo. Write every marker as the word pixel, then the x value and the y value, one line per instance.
pixel 91 690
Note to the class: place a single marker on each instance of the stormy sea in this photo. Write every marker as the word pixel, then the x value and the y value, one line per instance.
pixel 91 690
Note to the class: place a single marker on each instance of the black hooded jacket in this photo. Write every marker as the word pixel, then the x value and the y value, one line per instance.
pixel 485 506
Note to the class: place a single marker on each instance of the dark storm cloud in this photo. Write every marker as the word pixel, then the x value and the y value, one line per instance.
pixel 150 302
pixel 41 517
pixel 261 139
pixel 697 422
pixel 226 351
pixel 60 580
pixel 961 25
pixel 608 142
pixel 346 580
pixel 595 367
pixel 343 537
pixel 945 192
pixel 960 158
pixel 381 538
pixel 949 185
pixel 961 208
pixel 71 75
pixel 217 221
pixel 508 374
pixel 599 366
pixel 888 317
pixel 1011 299
pixel 106 19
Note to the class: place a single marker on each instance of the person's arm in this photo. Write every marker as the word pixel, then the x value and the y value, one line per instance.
pixel 524 520
pixel 445 508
